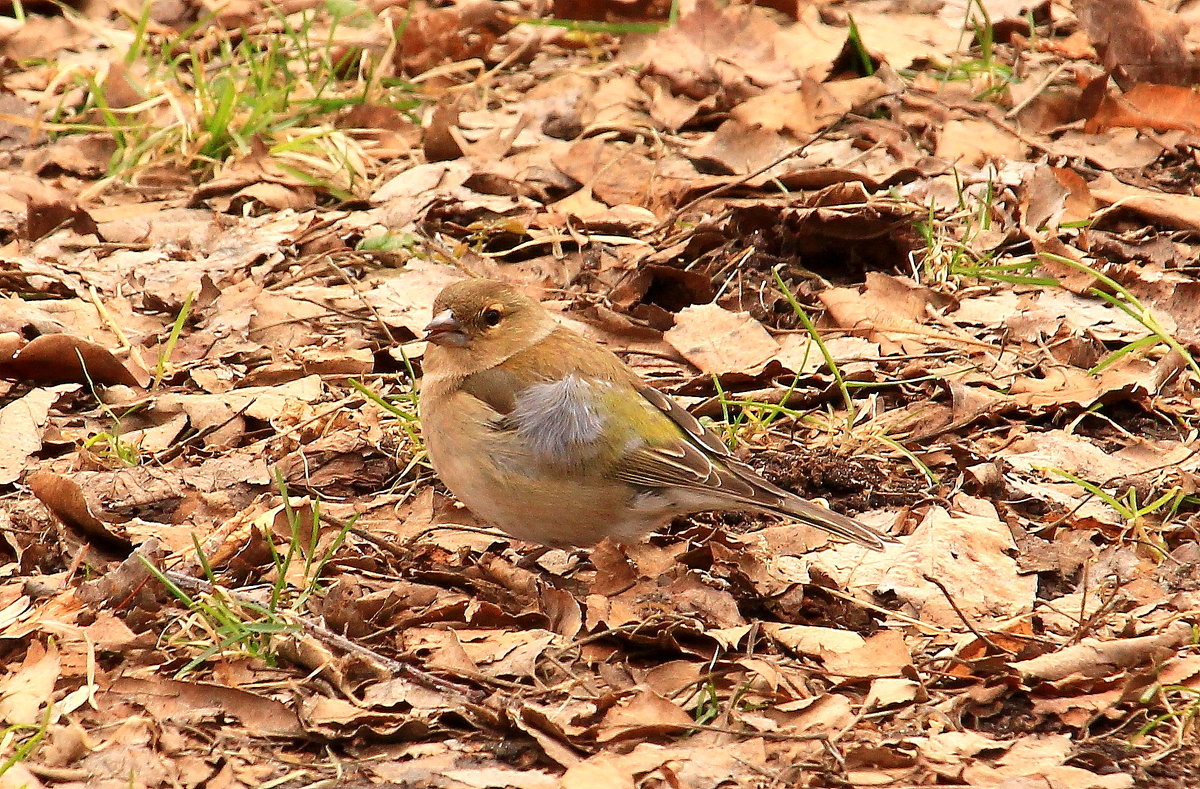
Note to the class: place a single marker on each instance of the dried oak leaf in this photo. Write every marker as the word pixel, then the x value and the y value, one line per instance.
pixel 174 699
pixel 65 500
pixel 432 37
pixel 1138 42
pixel 1147 106
pixel 1094 658
pixel 22 424
pixel 63 358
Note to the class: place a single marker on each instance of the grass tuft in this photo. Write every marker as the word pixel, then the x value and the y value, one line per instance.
pixel 277 88
pixel 225 620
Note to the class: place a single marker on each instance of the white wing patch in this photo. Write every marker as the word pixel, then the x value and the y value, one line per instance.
pixel 559 420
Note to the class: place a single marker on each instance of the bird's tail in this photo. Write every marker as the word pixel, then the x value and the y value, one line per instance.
pixel 730 484
pixel 792 506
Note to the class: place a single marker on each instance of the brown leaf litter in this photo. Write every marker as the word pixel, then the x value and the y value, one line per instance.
pixel 226 561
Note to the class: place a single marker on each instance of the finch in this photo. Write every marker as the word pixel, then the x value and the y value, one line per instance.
pixel 555 440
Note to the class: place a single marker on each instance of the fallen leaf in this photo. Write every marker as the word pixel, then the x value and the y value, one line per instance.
pixel 643 715
pixel 65 499
pixel 62 358
pixel 1138 42
pixel 22 425
pixel 967 551
pixel 1094 658
pixel 1148 106
pixel 975 142
pixel 718 341
pixel 1175 211
pixel 599 771
pixel 26 690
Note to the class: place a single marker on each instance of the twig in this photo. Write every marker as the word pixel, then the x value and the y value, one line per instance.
pixel 963 616
pixel 339 641
pixel 107 317
pixel 341 272
pixel 174 451
pixel 1016 110
pixel 725 187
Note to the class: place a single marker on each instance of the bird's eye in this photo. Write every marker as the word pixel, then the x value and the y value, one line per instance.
pixel 491 317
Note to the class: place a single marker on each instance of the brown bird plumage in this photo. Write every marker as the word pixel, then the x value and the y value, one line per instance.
pixel 555 440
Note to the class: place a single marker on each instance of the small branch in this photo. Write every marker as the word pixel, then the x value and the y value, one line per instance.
pixel 963 616
pixel 334 639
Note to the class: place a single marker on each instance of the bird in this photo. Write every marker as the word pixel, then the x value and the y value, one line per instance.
pixel 553 439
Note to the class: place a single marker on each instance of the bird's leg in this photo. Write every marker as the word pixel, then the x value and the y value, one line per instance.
pixel 529 561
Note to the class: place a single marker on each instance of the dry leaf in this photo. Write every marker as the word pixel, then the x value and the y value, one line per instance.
pixel 718 341
pixel 25 691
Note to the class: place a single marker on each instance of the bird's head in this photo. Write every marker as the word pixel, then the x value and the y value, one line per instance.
pixel 485 321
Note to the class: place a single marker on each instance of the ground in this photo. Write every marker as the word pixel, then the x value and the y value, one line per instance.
pixel 934 266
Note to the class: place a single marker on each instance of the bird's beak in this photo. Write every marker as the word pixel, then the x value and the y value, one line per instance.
pixel 445 329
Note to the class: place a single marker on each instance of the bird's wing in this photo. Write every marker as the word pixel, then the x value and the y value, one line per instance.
pixel 688 455
pixel 578 409
pixel 696 433
pixel 573 401
pixel 697 460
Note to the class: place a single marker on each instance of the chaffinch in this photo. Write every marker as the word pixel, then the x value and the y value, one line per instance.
pixel 555 440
